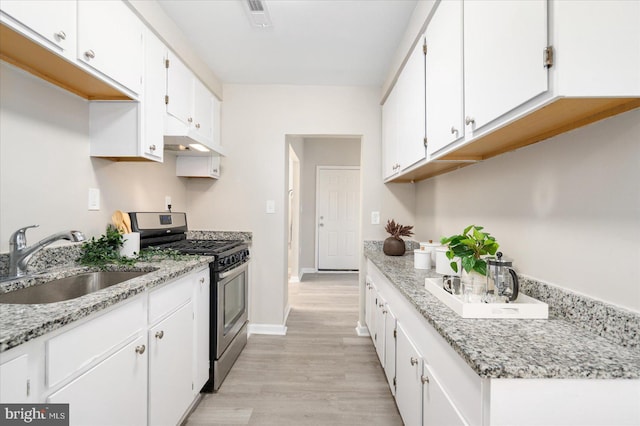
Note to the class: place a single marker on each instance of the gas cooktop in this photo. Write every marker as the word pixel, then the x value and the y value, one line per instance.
pixel 203 247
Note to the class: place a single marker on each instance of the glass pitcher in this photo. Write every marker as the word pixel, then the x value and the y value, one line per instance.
pixel 502 278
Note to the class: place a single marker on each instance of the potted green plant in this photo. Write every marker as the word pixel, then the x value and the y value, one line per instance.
pixel 394 245
pixel 470 247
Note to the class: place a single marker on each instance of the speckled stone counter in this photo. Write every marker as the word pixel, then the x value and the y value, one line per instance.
pixel 220 235
pixel 514 348
pixel 21 323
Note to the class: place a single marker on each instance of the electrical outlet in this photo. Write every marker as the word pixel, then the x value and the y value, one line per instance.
pixel 375 218
pixel 167 202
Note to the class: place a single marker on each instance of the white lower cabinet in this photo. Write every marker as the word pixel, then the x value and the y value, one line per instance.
pixel 437 408
pixel 140 362
pixel 434 385
pixel 114 392
pixel 390 333
pixel 170 367
pixel 408 379
pixel 380 328
pixel 14 386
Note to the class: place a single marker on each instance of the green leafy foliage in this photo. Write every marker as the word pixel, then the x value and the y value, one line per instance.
pixel 104 250
pixel 470 246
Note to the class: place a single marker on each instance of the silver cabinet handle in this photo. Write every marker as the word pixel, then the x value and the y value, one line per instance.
pixel 215 170
pixel 424 379
pixel 321 225
pixel 384 311
pixel 152 147
pixel 90 54
pixel 469 120
pixel 202 280
pixel 61 35
pixel 197 125
pixel 454 131
pixel 160 334
pixel 380 305
pixel 190 119
pixel 140 349
pixel 414 361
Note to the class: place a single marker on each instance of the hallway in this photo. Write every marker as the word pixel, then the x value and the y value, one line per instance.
pixel 320 373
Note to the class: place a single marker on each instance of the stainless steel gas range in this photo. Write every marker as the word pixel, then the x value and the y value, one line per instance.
pixel 229 284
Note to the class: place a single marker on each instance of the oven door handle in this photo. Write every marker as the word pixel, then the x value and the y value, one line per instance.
pixel 223 275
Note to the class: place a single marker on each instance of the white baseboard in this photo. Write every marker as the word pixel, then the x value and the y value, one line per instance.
pixel 294 279
pixel 307 271
pixel 286 313
pixel 271 329
pixel 361 330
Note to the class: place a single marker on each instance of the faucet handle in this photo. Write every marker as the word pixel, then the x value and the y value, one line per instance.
pixel 19 238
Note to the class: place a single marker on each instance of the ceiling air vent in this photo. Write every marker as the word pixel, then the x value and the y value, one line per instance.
pixel 258 14
pixel 255 5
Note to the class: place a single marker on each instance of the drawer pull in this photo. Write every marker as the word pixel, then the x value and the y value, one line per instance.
pixel 140 349
pixel 90 54
pixel 424 379
pixel 414 361
pixel 160 334
pixel 61 35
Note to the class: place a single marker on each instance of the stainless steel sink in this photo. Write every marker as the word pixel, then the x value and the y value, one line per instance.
pixel 69 287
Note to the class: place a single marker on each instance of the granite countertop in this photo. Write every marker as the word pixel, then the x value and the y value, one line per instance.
pixel 21 323
pixel 511 348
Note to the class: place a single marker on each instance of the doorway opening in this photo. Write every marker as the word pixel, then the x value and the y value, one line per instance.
pixel 323 181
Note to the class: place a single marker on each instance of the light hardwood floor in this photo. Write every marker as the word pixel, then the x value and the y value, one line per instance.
pixel 320 373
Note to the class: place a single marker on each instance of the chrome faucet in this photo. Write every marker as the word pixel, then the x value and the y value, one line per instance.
pixel 20 254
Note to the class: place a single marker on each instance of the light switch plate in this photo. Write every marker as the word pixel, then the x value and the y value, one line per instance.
pixel 271 206
pixel 94 199
pixel 375 218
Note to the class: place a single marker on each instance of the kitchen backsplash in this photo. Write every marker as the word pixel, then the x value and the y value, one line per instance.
pixel 47 258
pixel 377 245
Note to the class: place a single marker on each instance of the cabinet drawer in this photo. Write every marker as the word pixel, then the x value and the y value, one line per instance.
pixel 81 346
pixel 168 298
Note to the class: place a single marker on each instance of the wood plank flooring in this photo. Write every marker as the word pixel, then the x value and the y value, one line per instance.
pixel 320 373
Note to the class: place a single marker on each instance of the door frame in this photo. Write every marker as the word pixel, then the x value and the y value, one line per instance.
pixel 317 242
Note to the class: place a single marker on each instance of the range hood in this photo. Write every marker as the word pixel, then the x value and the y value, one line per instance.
pixel 191 144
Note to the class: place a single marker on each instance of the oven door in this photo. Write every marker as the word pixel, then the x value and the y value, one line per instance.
pixel 232 291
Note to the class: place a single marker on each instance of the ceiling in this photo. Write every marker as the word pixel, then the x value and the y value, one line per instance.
pixel 311 42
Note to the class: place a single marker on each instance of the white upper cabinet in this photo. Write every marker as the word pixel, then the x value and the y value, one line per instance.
pixel 390 114
pixel 403 118
pixel 503 51
pixel 179 90
pixel 51 22
pixel 411 124
pixel 193 112
pixel 520 72
pixel 110 41
pixel 444 79
pixel 127 130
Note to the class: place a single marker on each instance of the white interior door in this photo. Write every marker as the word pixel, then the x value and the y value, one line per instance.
pixel 338 206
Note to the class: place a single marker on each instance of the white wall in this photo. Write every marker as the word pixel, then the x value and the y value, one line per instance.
pixel 320 152
pixel 46 171
pixel 566 209
pixel 255 122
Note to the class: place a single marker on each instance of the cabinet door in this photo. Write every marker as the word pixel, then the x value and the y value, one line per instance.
pixel 171 367
pixel 202 110
pixel 380 313
pixel 110 41
pixel 155 84
pixel 408 379
pixel 14 386
pixel 202 291
pixel 112 393
pixel 179 90
pixel 368 314
pixel 53 21
pixel 411 105
pixel 503 54
pixel 390 114
pixel 390 347
pixel 444 80
pixel 438 409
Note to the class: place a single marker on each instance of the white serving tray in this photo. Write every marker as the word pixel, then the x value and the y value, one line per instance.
pixel 523 307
